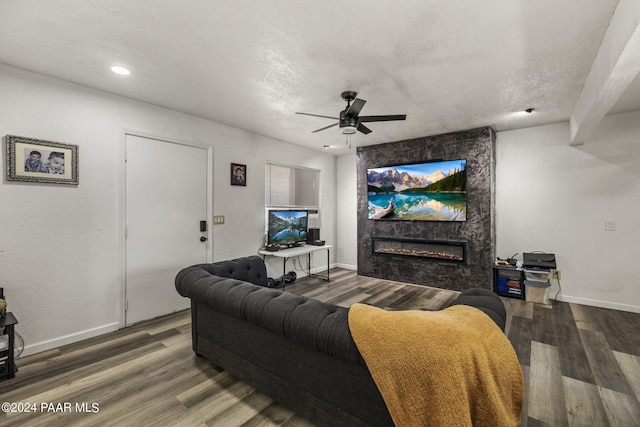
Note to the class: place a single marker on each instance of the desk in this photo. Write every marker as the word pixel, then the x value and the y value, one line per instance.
pixel 8 367
pixel 307 250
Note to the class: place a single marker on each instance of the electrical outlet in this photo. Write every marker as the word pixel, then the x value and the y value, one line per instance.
pixel 609 225
pixel 557 274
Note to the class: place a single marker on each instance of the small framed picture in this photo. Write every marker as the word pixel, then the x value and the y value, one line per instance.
pixel 35 160
pixel 238 174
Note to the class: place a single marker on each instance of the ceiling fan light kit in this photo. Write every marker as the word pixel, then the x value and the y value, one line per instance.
pixel 349 130
pixel 349 119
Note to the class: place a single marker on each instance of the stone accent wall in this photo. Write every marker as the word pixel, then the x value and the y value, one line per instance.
pixel 477 146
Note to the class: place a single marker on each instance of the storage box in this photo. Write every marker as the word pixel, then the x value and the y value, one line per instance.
pixel 502 284
pixel 537 291
pixel 539 260
pixel 537 275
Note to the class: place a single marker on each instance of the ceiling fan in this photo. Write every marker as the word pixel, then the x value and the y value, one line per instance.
pixel 349 119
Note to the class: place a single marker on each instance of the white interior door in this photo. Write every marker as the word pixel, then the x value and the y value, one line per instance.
pixel 166 198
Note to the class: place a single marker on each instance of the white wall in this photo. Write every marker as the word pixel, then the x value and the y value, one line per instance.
pixel 555 198
pixel 59 245
pixel 347 199
pixel 616 141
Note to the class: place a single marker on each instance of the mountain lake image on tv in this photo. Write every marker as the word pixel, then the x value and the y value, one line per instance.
pixel 430 191
pixel 287 227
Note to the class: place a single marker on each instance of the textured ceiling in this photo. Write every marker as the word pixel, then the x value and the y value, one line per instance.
pixel 252 64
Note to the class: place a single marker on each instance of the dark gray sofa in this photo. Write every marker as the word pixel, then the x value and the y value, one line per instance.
pixel 297 350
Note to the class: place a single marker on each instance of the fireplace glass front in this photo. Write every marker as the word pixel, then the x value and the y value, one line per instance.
pixel 441 250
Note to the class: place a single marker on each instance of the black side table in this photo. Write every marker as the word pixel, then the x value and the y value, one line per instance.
pixel 8 366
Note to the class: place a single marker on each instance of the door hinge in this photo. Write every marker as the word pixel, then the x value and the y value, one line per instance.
pixel 126 305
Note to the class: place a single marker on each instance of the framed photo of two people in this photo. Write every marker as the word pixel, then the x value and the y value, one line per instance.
pixel 35 160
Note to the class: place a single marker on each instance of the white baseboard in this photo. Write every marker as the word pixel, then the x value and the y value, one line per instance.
pixel 321 269
pixel 347 266
pixel 68 339
pixel 599 303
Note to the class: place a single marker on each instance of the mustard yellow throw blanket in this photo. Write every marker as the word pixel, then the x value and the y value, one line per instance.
pixel 452 367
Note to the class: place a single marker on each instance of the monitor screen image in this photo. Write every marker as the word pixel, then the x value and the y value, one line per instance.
pixel 287 227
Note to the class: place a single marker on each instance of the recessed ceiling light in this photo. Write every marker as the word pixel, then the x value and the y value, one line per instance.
pixel 120 70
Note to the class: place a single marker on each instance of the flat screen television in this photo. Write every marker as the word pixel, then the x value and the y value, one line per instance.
pixel 287 227
pixel 428 191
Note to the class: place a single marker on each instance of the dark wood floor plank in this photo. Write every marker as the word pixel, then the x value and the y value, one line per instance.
pixel 375 287
pixel 390 298
pixel 520 337
pixel 525 406
pixel 619 327
pixel 604 365
pixel 343 298
pixel 406 301
pixel 516 308
pixel 556 326
pixel 273 415
pixel 532 422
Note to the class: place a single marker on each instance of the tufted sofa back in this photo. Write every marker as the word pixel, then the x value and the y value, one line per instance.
pixel 321 326
pixel 248 269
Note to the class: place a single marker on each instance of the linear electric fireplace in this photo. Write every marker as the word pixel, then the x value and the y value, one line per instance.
pixel 440 250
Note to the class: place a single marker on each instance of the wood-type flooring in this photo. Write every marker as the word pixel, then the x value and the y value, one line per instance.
pixel 581 367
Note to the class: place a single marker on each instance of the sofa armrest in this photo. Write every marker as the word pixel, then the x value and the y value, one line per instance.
pixel 486 301
pixel 249 269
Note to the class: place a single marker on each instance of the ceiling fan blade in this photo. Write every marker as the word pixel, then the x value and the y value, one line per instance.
pixel 382 118
pixel 326 127
pixel 386 118
pixel 355 108
pixel 318 115
pixel 362 128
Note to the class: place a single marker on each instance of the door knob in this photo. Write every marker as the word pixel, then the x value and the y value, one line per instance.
pixel 203 239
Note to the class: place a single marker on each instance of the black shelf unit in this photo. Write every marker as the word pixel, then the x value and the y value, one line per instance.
pixel 8 366
pixel 508 281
